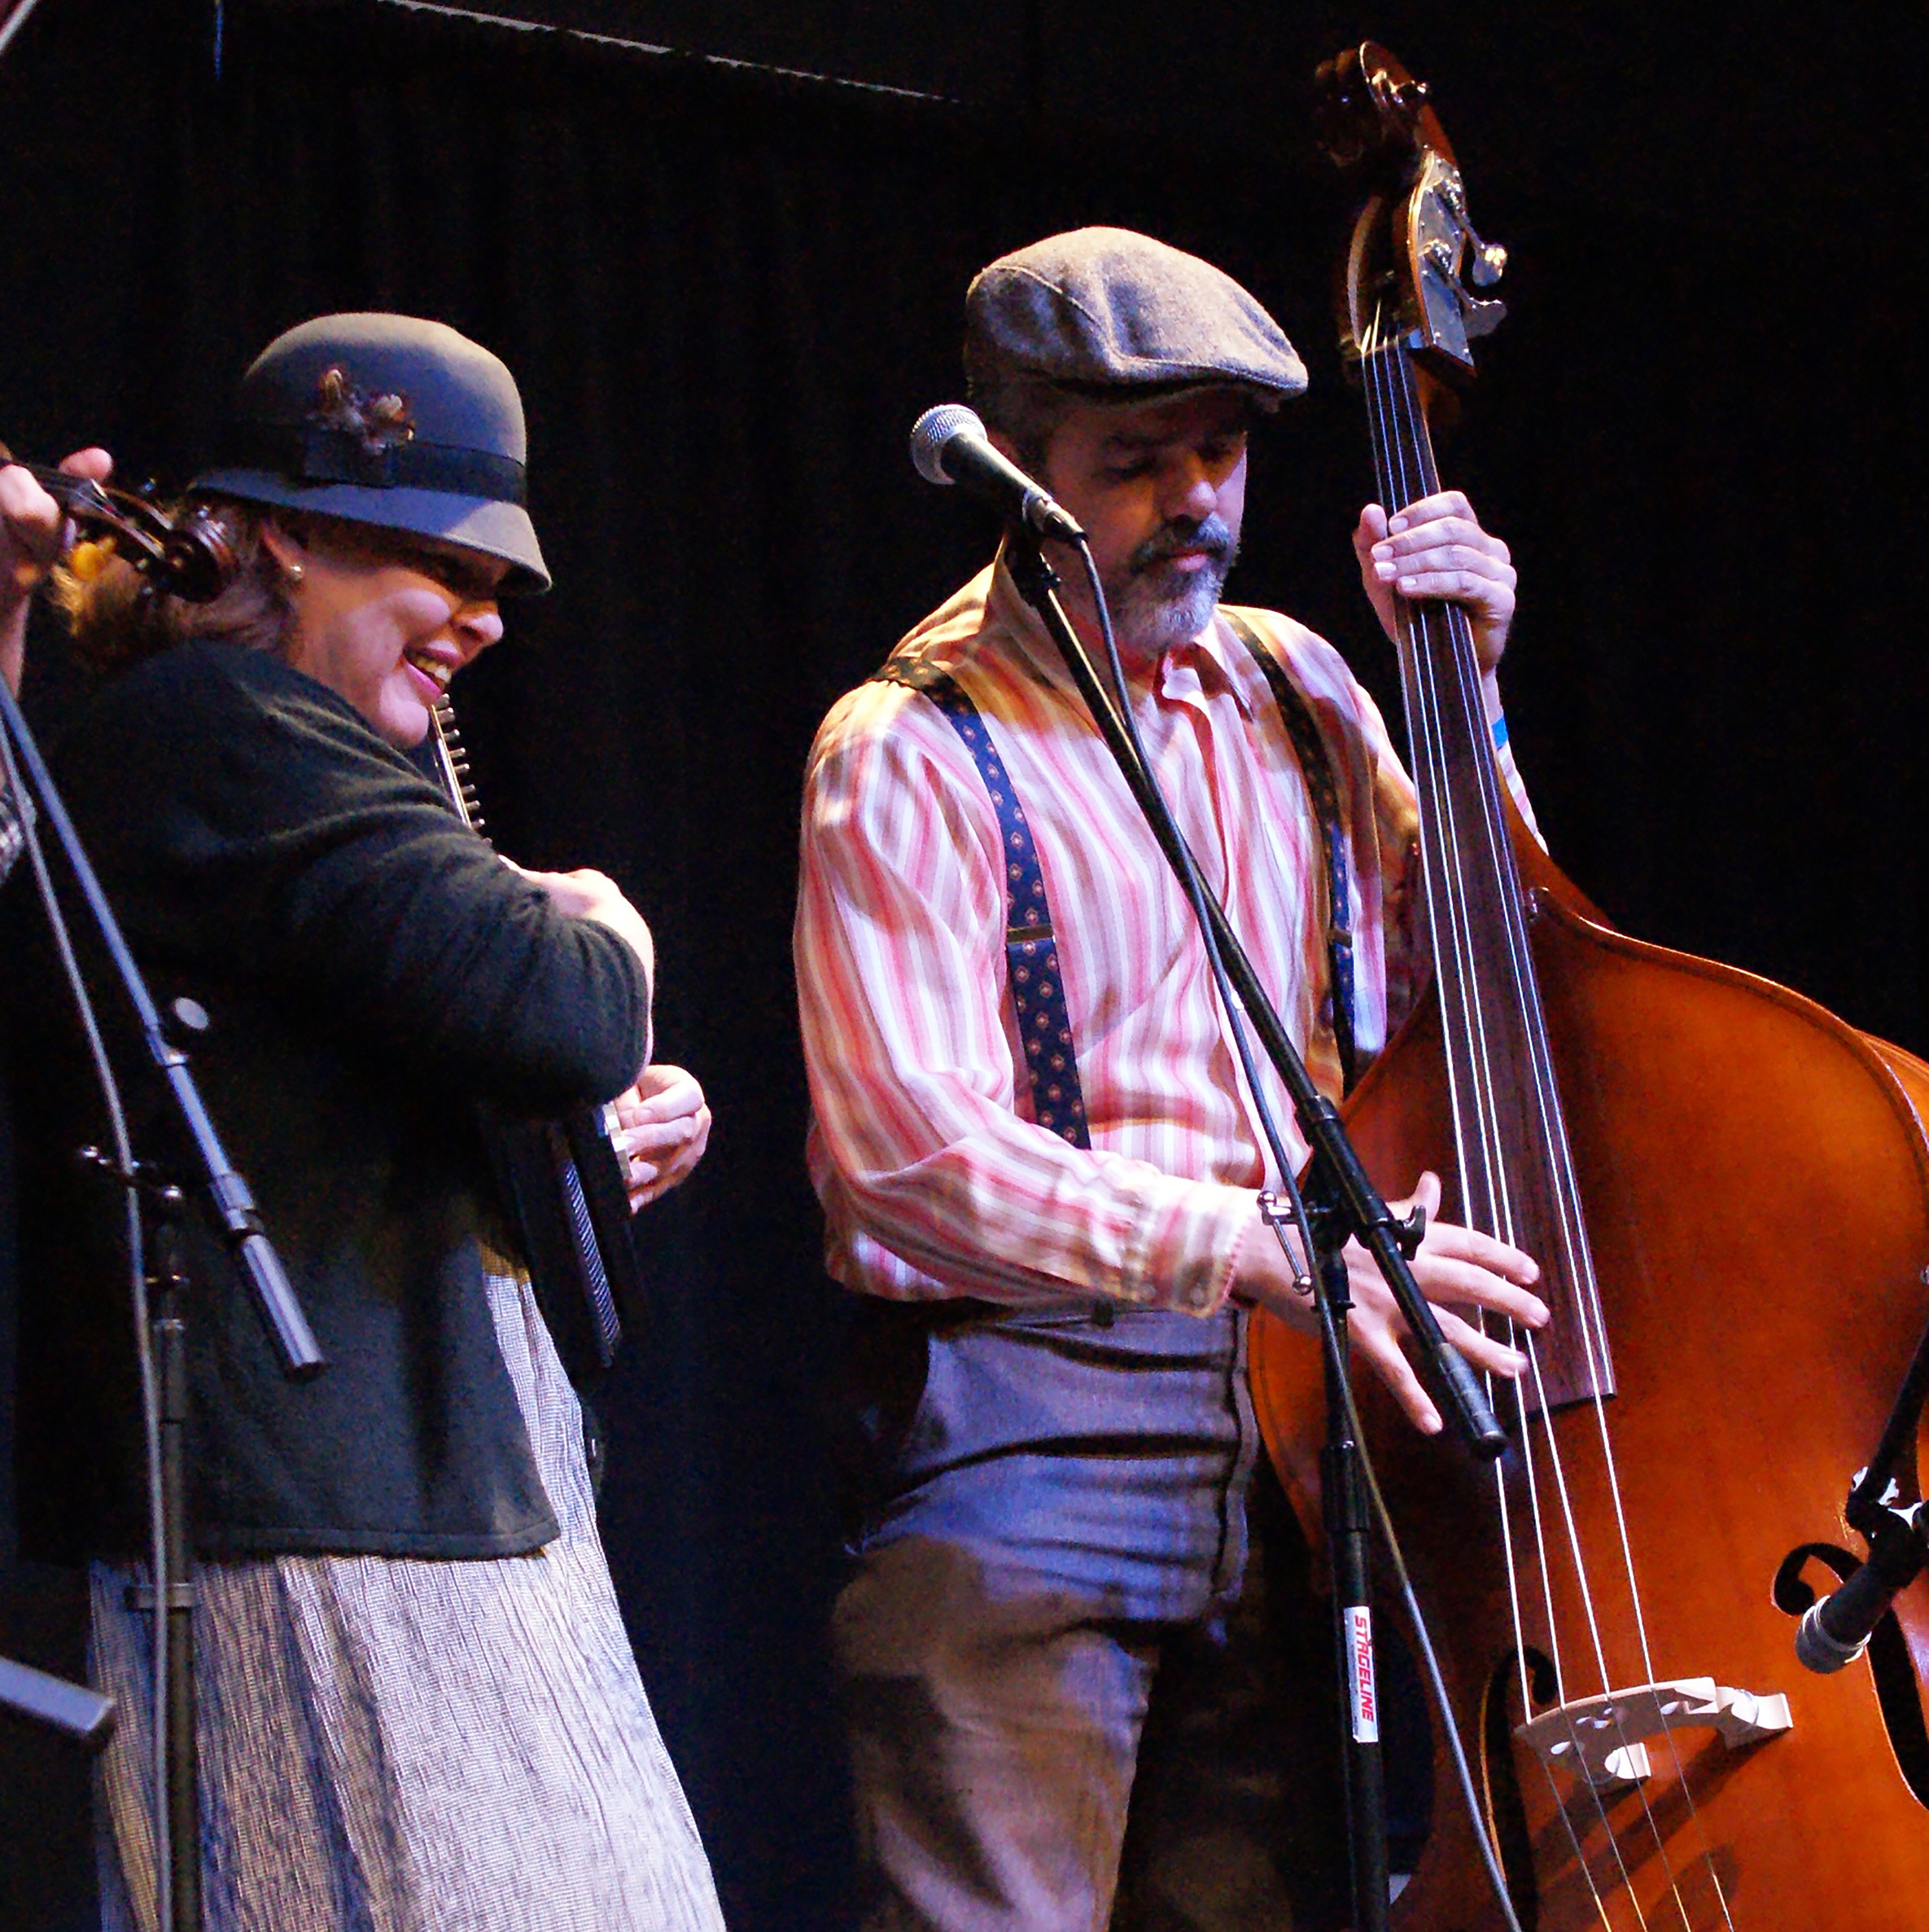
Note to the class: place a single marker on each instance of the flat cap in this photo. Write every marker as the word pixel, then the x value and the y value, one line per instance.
pixel 1106 308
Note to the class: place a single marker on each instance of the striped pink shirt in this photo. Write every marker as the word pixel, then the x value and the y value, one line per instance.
pixel 934 1180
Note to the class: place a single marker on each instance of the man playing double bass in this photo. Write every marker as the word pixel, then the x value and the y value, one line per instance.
pixel 1074 1689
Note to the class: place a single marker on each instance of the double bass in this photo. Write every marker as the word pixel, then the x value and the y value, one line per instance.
pixel 1727 1190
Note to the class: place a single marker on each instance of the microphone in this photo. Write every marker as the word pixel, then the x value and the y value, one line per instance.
pixel 1836 1631
pixel 949 445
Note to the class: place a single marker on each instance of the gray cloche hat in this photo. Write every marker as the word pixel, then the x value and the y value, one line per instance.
pixel 1104 308
pixel 390 421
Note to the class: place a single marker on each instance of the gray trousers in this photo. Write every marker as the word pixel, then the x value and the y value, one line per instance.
pixel 1070 1704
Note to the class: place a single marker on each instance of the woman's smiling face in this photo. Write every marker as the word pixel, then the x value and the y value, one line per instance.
pixel 386 620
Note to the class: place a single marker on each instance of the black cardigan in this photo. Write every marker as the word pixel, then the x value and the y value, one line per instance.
pixel 370 970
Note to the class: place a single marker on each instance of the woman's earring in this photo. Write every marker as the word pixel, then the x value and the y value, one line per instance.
pixel 294 572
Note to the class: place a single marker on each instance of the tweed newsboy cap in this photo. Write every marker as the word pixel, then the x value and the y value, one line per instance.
pixel 1106 308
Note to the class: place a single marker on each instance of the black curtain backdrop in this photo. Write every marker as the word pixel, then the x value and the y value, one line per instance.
pixel 726 296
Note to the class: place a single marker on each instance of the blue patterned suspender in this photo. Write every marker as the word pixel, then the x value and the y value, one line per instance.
pixel 1031 946
pixel 1316 768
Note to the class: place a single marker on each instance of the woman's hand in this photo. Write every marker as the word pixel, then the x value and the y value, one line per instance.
pixel 665 1127
pixel 1456 1267
pixel 33 534
pixel 1436 551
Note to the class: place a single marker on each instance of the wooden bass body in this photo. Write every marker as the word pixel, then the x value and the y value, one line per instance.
pixel 1757 1178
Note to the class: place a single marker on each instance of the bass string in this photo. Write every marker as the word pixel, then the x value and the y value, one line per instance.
pixel 1490 1189
pixel 1599 1803
pixel 1497 1179
pixel 1571 1221
pixel 1414 478
pixel 1485 1185
pixel 1402 480
pixel 1446 913
pixel 1407 479
pixel 1593 1335
pixel 1461 668
pixel 1495 1182
pixel 1399 432
pixel 1575 1249
pixel 1573 1235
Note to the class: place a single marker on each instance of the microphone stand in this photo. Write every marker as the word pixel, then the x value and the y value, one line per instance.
pixel 178 1835
pixel 1898 1537
pixel 1341 1205
pixel 83 1714
pixel 1868 1511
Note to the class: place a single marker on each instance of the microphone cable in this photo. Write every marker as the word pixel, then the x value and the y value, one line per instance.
pixel 165 1850
pixel 1194 889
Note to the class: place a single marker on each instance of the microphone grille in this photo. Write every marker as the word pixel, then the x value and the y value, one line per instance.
pixel 933 430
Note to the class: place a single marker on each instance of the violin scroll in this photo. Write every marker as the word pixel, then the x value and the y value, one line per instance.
pixel 198 559
pixel 190 555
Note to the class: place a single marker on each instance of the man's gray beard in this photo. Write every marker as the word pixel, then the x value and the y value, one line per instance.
pixel 1149 619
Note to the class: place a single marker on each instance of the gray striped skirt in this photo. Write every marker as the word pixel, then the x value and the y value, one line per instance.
pixel 391 1744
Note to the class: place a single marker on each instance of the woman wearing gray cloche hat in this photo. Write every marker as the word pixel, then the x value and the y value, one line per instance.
pixel 418 1707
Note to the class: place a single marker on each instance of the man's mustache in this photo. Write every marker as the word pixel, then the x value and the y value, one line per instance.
pixel 1212 534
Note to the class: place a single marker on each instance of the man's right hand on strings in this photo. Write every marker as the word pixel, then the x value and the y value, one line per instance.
pixel 1456 1268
